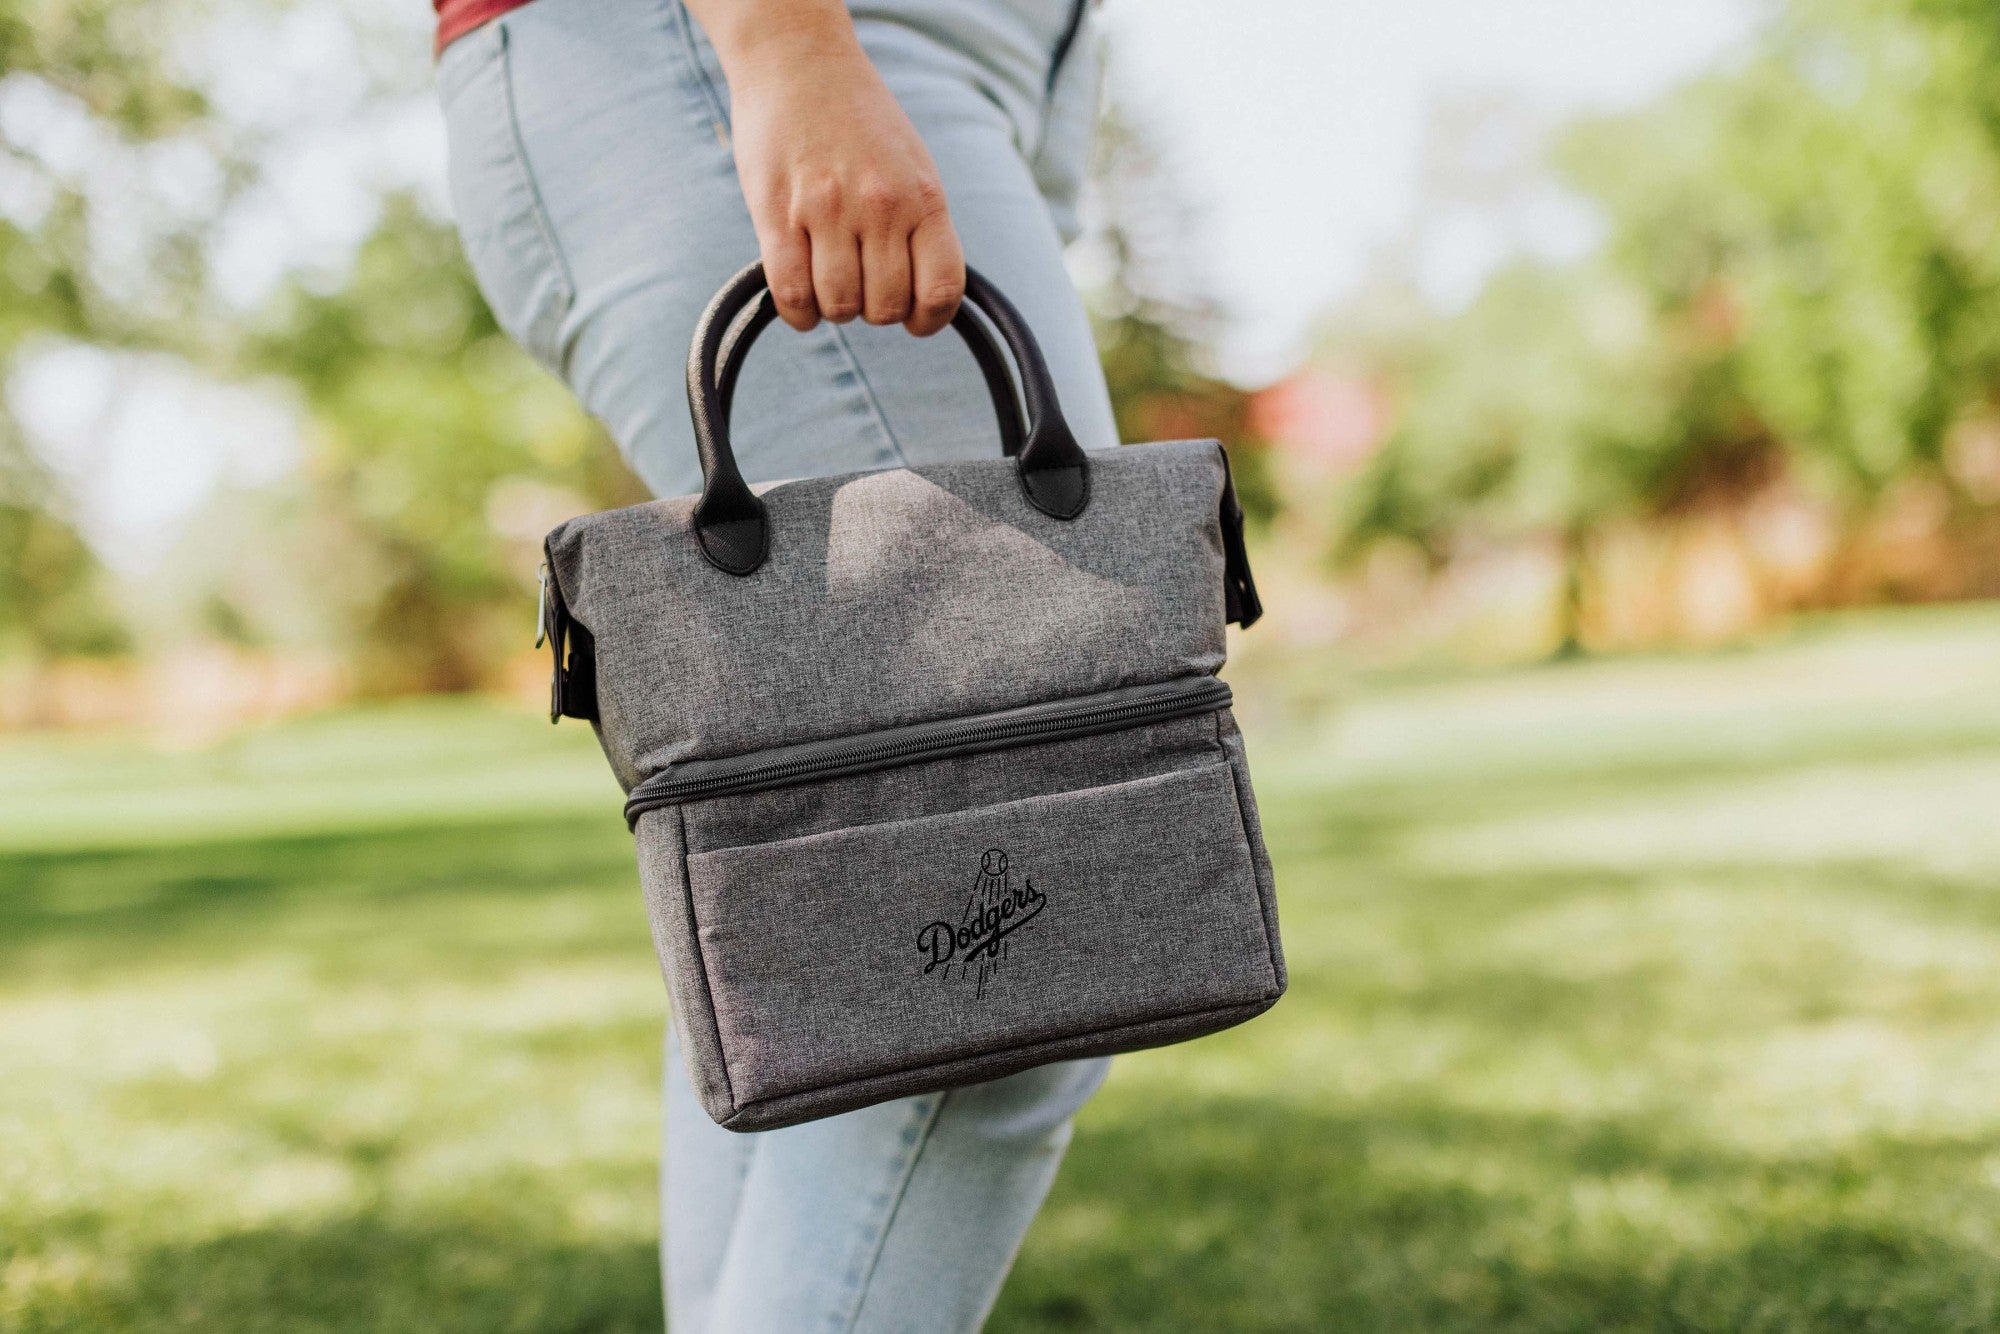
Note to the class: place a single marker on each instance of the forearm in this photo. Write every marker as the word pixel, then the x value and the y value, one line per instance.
pixel 759 39
pixel 851 218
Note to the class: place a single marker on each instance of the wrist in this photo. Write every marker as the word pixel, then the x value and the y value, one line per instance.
pixel 797 42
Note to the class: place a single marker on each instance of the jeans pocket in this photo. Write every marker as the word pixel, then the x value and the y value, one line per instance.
pixel 1069 130
pixel 505 229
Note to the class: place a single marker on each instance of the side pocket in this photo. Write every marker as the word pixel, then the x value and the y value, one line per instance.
pixel 501 221
pixel 670 912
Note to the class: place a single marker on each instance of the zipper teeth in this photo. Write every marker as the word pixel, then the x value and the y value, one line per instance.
pixel 1189 700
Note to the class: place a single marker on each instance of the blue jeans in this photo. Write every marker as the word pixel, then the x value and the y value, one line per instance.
pixel 598 201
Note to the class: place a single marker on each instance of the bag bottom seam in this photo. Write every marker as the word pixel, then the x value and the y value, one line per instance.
pixel 1264 999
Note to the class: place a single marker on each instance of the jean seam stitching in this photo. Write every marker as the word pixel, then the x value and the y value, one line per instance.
pixel 692 51
pixel 537 209
pixel 1076 54
pixel 895 1206
pixel 872 404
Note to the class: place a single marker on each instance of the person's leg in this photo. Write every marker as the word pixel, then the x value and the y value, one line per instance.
pixel 702 1173
pixel 595 191
pixel 901 1218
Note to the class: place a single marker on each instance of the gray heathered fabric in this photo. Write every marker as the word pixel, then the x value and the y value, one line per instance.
pixel 1231 741
pixel 1146 891
pixel 795 969
pixel 896 597
pixel 788 921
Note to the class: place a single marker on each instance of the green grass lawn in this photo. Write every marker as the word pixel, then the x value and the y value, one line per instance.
pixel 1656 994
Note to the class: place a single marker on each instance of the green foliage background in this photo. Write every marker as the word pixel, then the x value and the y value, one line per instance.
pixel 1800 275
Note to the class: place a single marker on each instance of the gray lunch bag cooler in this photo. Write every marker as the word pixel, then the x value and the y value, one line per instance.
pixel 931 774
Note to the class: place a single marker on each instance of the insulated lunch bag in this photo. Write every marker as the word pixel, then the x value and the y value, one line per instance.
pixel 929 768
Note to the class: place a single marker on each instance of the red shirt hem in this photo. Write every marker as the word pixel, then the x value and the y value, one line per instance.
pixel 459 17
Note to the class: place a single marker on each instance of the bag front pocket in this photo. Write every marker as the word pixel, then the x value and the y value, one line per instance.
pixel 846 954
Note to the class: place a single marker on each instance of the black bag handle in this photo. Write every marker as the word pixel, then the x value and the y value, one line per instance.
pixel 729 520
pixel 992 364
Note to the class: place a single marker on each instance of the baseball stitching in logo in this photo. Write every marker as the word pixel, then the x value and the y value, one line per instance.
pixel 977 943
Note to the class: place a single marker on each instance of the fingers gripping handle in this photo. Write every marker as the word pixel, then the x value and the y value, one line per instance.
pixel 730 521
pixel 763 310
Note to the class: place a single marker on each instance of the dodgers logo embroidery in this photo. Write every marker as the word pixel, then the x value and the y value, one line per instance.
pixel 977 943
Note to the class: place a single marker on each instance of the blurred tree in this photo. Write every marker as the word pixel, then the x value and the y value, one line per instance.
pixel 1801 275
pixel 435 452
pixel 71 70
pixel 1833 209
pixel 1546 409
pixel 1153 324
pixel 55 598
pixel 438 456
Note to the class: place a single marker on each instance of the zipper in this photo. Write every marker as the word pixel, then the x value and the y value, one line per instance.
pixel 1112 711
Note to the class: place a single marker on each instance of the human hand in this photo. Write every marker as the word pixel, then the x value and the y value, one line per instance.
pixel 850 215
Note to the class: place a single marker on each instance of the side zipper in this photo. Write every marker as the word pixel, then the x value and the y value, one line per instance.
pixel 1061 720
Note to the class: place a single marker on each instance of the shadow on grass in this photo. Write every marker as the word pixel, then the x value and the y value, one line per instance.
pixel 1246 1215
pixel 1223 1214
pixel 85 909
pixel 450 1272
